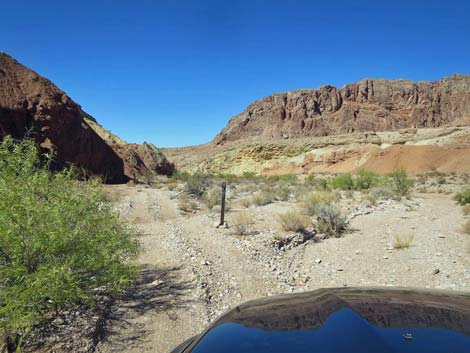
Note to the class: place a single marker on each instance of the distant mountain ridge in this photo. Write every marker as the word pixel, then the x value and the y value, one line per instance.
pixel 31 104
pixel 367 105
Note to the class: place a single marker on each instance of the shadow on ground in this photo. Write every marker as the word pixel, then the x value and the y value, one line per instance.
pixel 157 290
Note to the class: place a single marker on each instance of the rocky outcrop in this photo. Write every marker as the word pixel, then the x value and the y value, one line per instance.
pixel 143 161
pixel 368 105
pixel 32 105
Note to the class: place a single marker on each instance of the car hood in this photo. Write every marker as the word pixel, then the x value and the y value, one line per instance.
pixel 344 320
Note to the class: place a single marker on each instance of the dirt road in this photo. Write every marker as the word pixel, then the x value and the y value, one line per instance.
pixel 193 272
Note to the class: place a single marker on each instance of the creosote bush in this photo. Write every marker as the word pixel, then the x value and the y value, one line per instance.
pixel 343 182
pixel 330 221
pixel 463 197
pixel 196 184
pixel 294 221
pixel 400 182
pixel 365 179
pixel 59 240
pixel 466 209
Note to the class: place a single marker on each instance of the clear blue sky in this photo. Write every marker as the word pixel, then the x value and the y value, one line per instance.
pixel 173 72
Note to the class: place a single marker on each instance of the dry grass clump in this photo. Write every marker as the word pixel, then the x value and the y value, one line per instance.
pixel 466 228
pixel 313 200
pixel 466 209
pixel 403 241
pixel 371 199
pixel 211 198
pixel 264 197
pixel 242 221
pixel 246 202
pixel 294 221
pixel 187 204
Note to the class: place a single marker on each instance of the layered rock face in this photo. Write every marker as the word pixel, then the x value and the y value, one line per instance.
pixel 143 161
pixel 32 105
pixel 368 105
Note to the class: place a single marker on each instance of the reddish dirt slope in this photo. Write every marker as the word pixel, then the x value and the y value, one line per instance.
pixel 421 159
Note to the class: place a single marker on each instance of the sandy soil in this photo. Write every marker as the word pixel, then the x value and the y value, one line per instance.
pixel 193 272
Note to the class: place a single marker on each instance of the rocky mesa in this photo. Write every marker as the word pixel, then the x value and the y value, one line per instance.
pixel 31 105
pixel 368 105
pixel 374 124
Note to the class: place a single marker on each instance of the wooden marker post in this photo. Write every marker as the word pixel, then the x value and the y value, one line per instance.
pixel 222 204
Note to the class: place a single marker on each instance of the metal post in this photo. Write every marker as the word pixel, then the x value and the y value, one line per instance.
pixel 222 204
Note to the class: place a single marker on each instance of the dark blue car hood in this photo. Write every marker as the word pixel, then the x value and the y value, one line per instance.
pixel 343 320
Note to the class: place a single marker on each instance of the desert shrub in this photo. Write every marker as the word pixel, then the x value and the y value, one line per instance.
pixel 282 193
pixel 313 200
pixel 211 198
pixel 294 221
pixel 466 228
pixel 330 221
pixel 187 204
pixel 343 182
pixel 241 222
pixel 463 197
pixel 59 240
pixel 284 179
pixel 400 182
pixel 402 241
pixel 384 192
pixel 172 185
pixel 371 199
pixel 365 180
pixel 197 184
pixel 466 210
pixel 264 197
pixel 310 180
pixel 322 184
pixel 246 202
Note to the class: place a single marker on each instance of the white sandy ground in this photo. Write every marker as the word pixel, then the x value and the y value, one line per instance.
pixel 195 272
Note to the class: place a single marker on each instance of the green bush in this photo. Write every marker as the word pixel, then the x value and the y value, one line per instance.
pixel 343 182
pixel 400 182
pixel 59 240
pixel 197 184
pixel 365 180
pixel 322 184
pixel 463 197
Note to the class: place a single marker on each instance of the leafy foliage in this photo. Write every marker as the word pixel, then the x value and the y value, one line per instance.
pixel 342 181
pixel 463 197
pixel 401 184
pixel 59 240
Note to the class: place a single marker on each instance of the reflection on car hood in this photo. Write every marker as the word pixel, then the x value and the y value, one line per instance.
pixel 344 320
